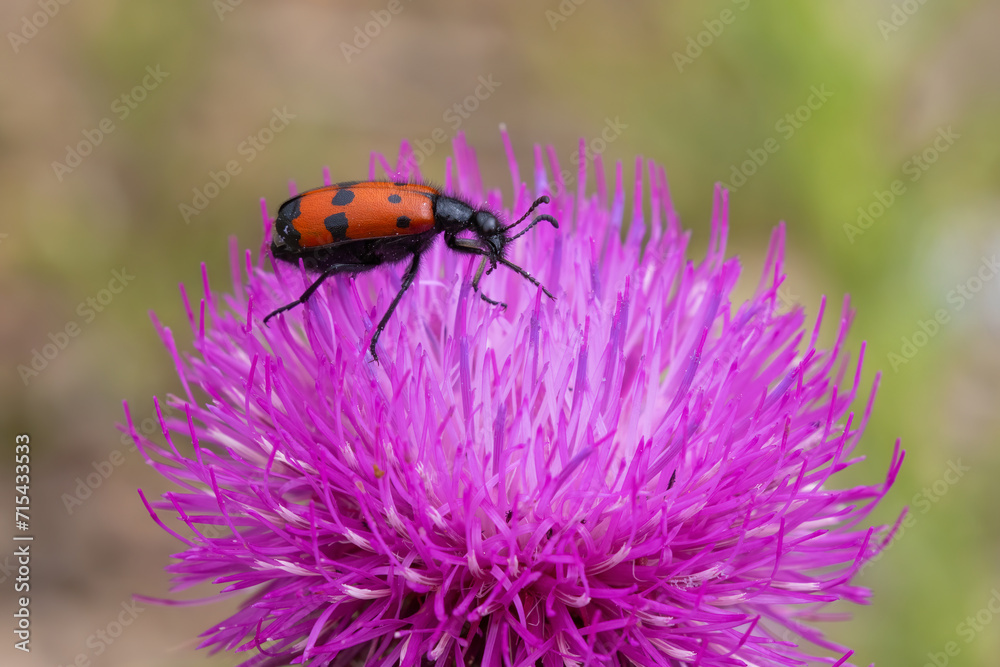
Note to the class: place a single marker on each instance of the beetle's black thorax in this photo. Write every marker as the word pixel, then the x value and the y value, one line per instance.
pixel 452 215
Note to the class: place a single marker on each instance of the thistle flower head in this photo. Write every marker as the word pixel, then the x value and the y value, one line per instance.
pixel 639 472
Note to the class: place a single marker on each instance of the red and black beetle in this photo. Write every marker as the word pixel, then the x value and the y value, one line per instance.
pixel 358 225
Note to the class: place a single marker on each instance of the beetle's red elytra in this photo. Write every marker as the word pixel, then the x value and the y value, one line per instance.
pixel 368 210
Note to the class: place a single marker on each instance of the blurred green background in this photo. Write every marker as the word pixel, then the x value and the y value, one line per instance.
pixel 159 95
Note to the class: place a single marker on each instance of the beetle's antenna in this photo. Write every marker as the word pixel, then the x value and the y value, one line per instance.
pixel 531 278
pixel 549 218
pixel 544 199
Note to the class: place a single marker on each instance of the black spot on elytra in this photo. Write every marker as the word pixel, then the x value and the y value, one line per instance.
pixel 400 183
pixel 336 224
pixel 290 209
pixel 343 198
pixel 402 222
pixel 395 199
pixel 284 228
pixel 347 184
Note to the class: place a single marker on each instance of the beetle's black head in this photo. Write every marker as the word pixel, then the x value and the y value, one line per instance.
pixel 285 238
pixel 454 216
pixel 488 229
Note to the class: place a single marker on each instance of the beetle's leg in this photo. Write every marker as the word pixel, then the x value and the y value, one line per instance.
pixel 329 271
pixel 475 286
pixel 470 247
pixel 305 295
pixel 473 248
pixel 408 277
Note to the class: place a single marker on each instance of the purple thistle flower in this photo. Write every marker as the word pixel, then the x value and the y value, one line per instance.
pixel 636 473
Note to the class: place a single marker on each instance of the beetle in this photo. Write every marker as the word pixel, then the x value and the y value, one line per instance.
pixel 356 226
